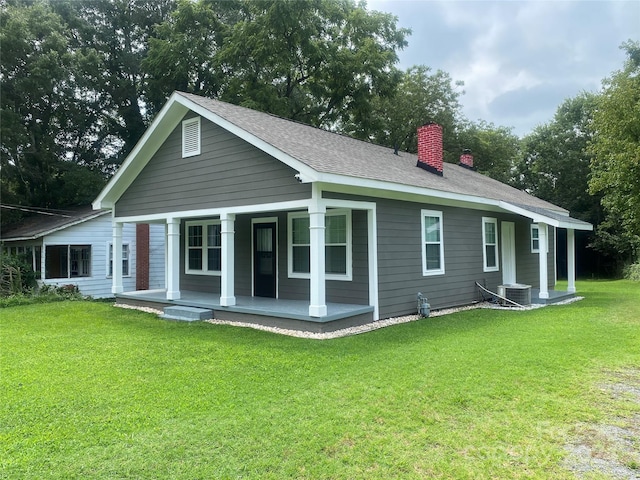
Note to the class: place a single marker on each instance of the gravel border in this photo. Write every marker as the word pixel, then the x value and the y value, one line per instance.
pixel 345 332
pixel 610 448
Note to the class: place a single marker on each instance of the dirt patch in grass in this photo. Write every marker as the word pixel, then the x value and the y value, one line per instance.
pixel 611 448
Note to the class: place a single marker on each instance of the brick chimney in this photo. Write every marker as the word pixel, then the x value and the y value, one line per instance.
pixel 466 159
pixel 430 148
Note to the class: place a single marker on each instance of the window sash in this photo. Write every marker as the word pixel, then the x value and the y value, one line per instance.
pixel 535 239
pixel 125 260
pixel 432 243
pixel 490 244
pixel 203 248
pixel 337 249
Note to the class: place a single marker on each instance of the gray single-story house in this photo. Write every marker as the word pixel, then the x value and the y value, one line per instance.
pixel 269 220
pixel 75 247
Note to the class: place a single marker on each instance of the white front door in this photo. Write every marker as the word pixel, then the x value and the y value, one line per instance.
pixel 508 253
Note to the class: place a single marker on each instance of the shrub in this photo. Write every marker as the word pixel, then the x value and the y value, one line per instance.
pixel 16 276
pixel 632 272
pixel 46 294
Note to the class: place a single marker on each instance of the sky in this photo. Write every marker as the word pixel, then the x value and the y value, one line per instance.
pixel 519 60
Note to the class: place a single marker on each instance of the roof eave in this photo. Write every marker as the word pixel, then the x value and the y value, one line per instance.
pixel 536 217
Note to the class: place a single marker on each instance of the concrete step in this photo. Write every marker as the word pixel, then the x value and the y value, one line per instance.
pixel 187 314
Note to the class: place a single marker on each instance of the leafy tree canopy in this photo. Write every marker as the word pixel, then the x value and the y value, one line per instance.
pixel 615 166
pixel 555 162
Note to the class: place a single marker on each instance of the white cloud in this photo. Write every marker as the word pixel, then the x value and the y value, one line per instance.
pixel 519 59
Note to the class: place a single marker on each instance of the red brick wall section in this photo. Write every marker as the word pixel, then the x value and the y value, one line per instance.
pixel 466 159
pixel 142 256
pixel 430 147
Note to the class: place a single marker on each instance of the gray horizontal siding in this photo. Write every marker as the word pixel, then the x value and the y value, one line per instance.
pixel 354 292
pixel 228 172
pixel 400 255
pixel 527 263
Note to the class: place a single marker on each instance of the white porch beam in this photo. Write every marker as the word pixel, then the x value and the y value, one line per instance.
pixel 116 259
pixel 317 294
pixel 571 260
pixel 542 260
pixel 227 281
pixel 173 259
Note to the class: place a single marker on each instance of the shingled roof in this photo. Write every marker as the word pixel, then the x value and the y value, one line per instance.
pixel 39 225
pixel 331 154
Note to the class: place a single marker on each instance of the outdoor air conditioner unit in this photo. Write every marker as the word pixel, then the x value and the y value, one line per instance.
pixel 516 292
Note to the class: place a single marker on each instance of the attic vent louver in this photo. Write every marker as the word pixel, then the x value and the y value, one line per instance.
pixel 191 137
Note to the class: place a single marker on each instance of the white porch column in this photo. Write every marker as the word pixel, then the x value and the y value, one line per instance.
pixel 571 260
pixel 542 259
pixel 173 258
pixel 116 277
pixel 372 239
pixel 227 293
pixel 317 300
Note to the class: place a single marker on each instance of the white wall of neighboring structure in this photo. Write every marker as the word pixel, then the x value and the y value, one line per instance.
pixel 97 233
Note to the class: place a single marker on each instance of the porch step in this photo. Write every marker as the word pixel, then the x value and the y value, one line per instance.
pixel 187 314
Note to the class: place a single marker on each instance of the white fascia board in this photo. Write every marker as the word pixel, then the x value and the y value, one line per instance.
pixel 308 173
pixel 164 123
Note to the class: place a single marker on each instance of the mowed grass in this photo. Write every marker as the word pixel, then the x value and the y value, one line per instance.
pixel 93 391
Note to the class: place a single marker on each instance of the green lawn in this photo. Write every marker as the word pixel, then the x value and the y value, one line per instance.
pixel 91 391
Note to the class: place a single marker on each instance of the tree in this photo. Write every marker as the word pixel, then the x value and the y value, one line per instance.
pixel 555 162
pixel 615 166
pixel 40 111
pixel 116 33
pixel 316 61
pixel 495 149
pixel 183 51
pixel 420 97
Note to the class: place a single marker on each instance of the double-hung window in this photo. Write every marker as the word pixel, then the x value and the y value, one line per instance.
pixel 125 260
pixel 535 239
pixel 337 249
pixel 490 244
pixel 203 255
pixel 432 243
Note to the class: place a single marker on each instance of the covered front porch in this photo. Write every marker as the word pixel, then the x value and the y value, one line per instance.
pixel 259 263
pixel 282 313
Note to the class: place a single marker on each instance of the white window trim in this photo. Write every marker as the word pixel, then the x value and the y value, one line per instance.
pixel 205 248
pixel 186 126
pixel 348 276
pixel 534 226
pixel 109 245
pixel 495 267
pixel 423 215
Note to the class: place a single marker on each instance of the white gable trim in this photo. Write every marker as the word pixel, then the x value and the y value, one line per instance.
pixel 164 123
pixel 161 127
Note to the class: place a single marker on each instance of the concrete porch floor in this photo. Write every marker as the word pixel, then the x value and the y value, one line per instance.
pixel 283 313
pixel 555 296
